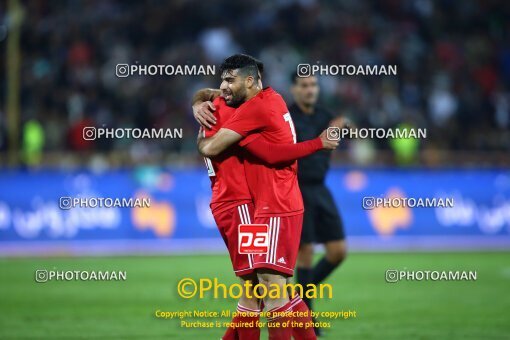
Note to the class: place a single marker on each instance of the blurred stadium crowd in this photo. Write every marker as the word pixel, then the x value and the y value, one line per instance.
pixel 453 78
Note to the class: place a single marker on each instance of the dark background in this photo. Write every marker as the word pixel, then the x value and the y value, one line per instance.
pixel 453 78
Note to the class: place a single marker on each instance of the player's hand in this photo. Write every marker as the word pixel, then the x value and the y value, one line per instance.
pixel 328 144
pixel 203 113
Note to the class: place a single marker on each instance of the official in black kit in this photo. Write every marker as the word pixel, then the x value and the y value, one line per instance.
pixel 322 222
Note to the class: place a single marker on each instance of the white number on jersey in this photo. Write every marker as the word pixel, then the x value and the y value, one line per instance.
pixel 210 169
pixel 288 119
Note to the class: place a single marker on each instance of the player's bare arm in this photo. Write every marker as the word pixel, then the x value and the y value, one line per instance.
pixel 203 107
pixel 215 145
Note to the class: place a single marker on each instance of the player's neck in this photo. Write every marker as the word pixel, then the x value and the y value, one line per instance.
pixel 306 109
pixel 252 94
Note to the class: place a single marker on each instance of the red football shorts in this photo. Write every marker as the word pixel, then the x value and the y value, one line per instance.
pixel 228 222
pixel 284 235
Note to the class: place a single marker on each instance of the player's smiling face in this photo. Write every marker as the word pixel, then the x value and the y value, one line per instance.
pixel 233 88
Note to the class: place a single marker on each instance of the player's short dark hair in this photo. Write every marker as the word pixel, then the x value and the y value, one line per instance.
pixel 247 65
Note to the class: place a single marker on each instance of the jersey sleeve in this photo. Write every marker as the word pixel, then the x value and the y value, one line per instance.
pixel 210 132
pixel 273 153
pixel 248 119
pixel 249 139
pixel 218 104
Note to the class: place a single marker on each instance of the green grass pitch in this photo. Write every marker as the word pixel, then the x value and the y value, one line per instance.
pixel 125 309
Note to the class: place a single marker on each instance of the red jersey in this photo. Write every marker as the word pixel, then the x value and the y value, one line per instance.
pixel 274 189
pixel 226 171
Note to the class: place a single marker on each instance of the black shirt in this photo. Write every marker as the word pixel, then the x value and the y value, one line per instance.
pixel 311 169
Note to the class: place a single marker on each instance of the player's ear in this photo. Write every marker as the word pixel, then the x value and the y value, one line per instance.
pixel 249 81
pixel 259 79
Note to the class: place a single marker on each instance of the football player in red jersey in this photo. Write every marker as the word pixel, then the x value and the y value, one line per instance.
pixel 231 202
pixel 262 115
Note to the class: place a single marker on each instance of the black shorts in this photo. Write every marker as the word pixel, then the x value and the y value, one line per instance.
pixel 321 220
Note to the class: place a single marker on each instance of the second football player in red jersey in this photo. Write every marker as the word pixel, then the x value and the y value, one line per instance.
pixel 231 201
